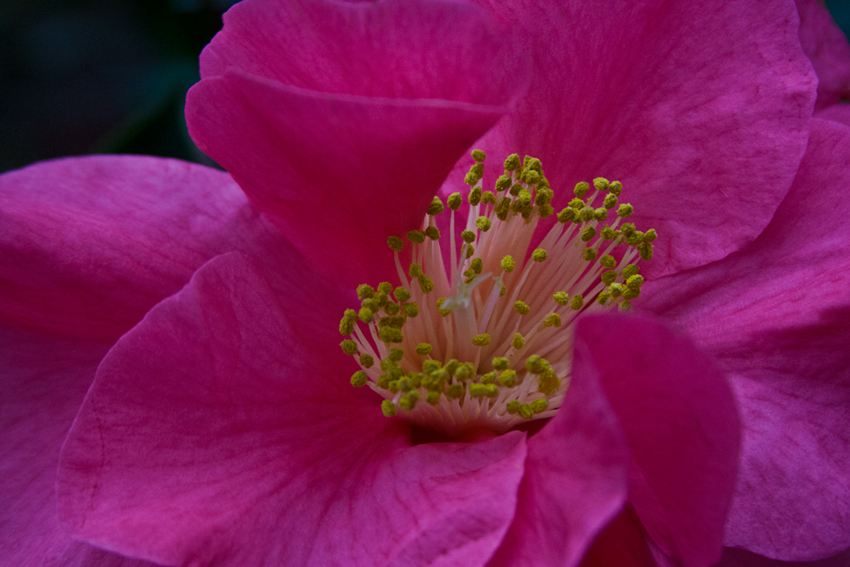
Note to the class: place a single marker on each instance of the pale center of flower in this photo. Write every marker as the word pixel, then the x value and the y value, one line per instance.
pixel 487 341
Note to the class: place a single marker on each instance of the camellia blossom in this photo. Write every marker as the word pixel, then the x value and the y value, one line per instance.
pixel 224 425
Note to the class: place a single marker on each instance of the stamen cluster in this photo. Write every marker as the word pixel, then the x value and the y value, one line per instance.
pixel 487 342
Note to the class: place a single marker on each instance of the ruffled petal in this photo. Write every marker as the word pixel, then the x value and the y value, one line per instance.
pixel 682 426
pixel 695 107
pixel 44 381
pixel 88 245
pixel 216 432
pixel 827 47
pixel 346 120
pixel 575 480
pixel 777 318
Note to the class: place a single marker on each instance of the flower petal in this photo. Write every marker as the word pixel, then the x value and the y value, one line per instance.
pixel 88 245
pixel 827 47
pixel 777 317
pixel 836 112
pixel 681 423
pixel 345 121
pixel 217 433
pixel 44 381
pixel 575 480
pixel 733 557
pixel 695 107
pixel 623 543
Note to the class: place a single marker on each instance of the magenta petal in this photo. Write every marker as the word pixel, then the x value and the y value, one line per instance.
pixel 827 47
pixel 777 318
pixel 681 423
pixel 687 103
pixel 344 122
pixel 216 433
pixel 837 112
pixel 341 173
pixel 623 543
pixel 733 557
pixel 43 383
pixel 88 245
pixel 575 480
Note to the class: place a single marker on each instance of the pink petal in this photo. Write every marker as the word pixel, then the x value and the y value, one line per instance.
pixel 88 245
pixel 733 557
pixel 682 427
pixel 836 112
pixel 346 120
pixel 776 317
pixel 575 480
pixel 694 106
pixel 623 543
pixel 827 47
pixel 43 381
pixel 220 431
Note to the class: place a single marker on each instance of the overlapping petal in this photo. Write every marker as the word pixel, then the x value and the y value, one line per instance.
pixel 776 316
pixel 826 46
pixel 88 245
pixel 344 119
pixel 687 104
pixel 44 382
pixel 215 432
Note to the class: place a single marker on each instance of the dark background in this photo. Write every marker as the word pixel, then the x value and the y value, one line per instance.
pixel 110 76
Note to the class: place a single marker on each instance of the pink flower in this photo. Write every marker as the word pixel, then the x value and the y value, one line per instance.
pixel 221 428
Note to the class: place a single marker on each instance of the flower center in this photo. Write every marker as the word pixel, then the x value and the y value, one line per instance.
pixel 487 341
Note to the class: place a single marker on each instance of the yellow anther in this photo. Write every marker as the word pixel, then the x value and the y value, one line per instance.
pixel 423 349
pixel 561 298
pixel 436 206
pixel 359 379
pixel 388 408
pixel 576 302
pixel 588 233
pixel 603 297
pixel 629 270
pixel 432 232
pixel 601 184
pixel 577 204
pixel 615 188
pixel 426 284
pixel 586 214
pixel 366 315
pixel 410 309
pixel 539 405
pixel 608 277
pixel 624 306
pixel 508 378
pixel 503 182
pixel 525 411
pixel 366 360
pixel 508 264
pixel 396 354
pixel 531 177
pixel 476 265
pixel 468 236
pixel 483 224
pixel 544 196
pixel 488 197
pixel 481 340
pixel 625 210
pixel 518 341
pixel 539 255
pixel 443 312
pixel 634 282
pixel 346 325
pixel 600 215
pixel 433 397
pixel 475 196
pixel 401 294
pixel 470 250
pixel 631 293
pixel 608 233
pixel 610 201
pixel 608 261
pixel 415 270
pixel 365 291
pixel 500 363
pixel 464 371
pixel 478 155
pixel 416 236
pixel 581 189
pixel 552 320
pixel 395 243
pixel 650 235
pixel 589 254
pixel 348 347
pixel 567 215
pixel 534 164
pixel 645 249
pixel 512 162
pixel 522 308
pixel 524 196
pixel 454 201
pixel 455 391
pixel 391 308
pixel 477 390
pixel 545 211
